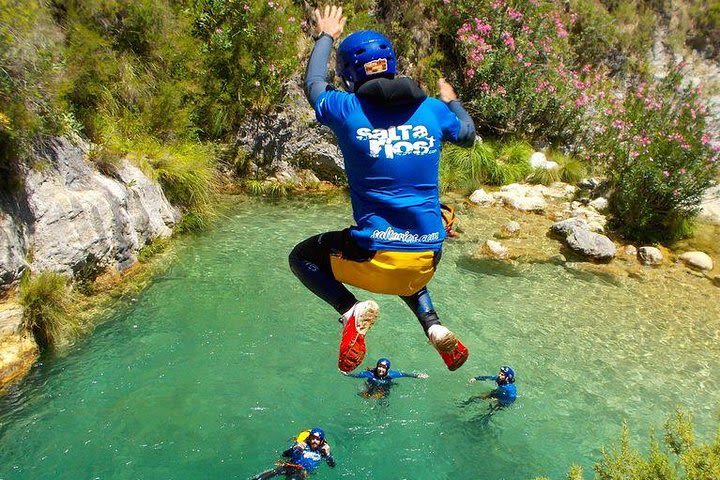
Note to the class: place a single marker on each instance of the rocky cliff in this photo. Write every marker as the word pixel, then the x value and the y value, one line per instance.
pixel 67 216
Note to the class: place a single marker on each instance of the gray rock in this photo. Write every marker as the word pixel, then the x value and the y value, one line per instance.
pixel 710 206
pixel 591 244
pixel 495 249
pixel 13 246
pixel 650 256
pixel 480 197
pixel 566 227
pixel 72 215
pixel 518 201
pixel 599 204
pixel 630 251
pixel 291 134
pixel 697 260
pixel 11 320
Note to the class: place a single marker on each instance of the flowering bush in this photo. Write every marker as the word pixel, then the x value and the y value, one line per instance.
pixel 518 75
pixel 251 50
pixel 658 159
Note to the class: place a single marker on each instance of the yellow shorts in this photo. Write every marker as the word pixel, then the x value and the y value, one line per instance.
pixel 391 273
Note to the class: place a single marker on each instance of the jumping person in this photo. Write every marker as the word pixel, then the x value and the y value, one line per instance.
pixel 390 133
pixel 506 391
pixel 380 379
pixel 304 457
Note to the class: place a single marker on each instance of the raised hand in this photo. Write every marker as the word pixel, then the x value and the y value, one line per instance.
pixel 329 21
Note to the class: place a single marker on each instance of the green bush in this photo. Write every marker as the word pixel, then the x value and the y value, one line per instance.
pixel 657 157
pixel 250 47
pixel 48 308
pixel 30 57
pixel 678 457
pixel 705 16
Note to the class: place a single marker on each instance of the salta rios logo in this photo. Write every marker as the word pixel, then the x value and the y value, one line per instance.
pixel 400 140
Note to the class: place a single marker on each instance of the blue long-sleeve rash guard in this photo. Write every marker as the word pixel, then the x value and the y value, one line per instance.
pixel 391 152
pixel 505 394
pixel 375 381
pixel 307 458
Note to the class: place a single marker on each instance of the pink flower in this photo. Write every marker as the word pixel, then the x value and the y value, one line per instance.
pixel 246 7
pixel 280 30
pixel 469 73
pixel 619 124
pixel 514 14
pixel 271 4
pixel 257 84
pixel 682 171
pixel 218 30
pixel 666 173
pixel 483 27
pixel 291 19
pixel 676 192
pixel 500 90
pixel 496 4
pixel 705 139
pixel 527 64
pixel 484 87
pixel 508 40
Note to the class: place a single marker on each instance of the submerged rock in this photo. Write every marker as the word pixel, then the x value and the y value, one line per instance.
pixel 697 260
pixel 509 229
pixel 495 249
pixel 650 256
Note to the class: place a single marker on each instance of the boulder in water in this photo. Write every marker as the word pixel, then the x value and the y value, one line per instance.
pixel 495 249
pixel 697 260
pixel 650 256
pixel 594 245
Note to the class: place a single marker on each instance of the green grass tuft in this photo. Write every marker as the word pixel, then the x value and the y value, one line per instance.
pixel 48 304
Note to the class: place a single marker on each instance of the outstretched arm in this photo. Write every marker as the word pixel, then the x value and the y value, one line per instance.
pixel 329 25
pixel 483 377
pixel 466 137
pixel 396 374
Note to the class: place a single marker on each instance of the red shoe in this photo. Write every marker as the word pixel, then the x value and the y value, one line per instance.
pixel 456 358
pixel 450 348
pixel 352 346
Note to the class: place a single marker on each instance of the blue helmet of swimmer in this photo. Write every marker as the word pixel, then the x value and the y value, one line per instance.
pixel 364 55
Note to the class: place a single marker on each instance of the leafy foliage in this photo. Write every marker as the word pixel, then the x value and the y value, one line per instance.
pixel 658 159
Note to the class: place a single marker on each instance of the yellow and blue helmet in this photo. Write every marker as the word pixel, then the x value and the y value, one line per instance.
pixel 364 55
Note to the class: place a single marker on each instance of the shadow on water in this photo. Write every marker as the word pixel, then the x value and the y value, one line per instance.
pixel 482 418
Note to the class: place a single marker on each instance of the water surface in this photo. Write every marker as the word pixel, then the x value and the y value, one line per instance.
pixel 211 370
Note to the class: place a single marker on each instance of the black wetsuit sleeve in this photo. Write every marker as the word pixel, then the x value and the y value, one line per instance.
pixel 288 453
pixel 330 461
pixel 316 72
pixel 466 137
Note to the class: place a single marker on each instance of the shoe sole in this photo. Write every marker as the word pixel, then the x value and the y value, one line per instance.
pixel 447 343
pixel 368 317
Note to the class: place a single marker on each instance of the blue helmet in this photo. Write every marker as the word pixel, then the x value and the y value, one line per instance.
pixel 363 55
pixel 383 361
pixel 509 373
pixel 317 432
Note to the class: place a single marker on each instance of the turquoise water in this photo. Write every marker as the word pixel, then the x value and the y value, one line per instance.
pixel 211 370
